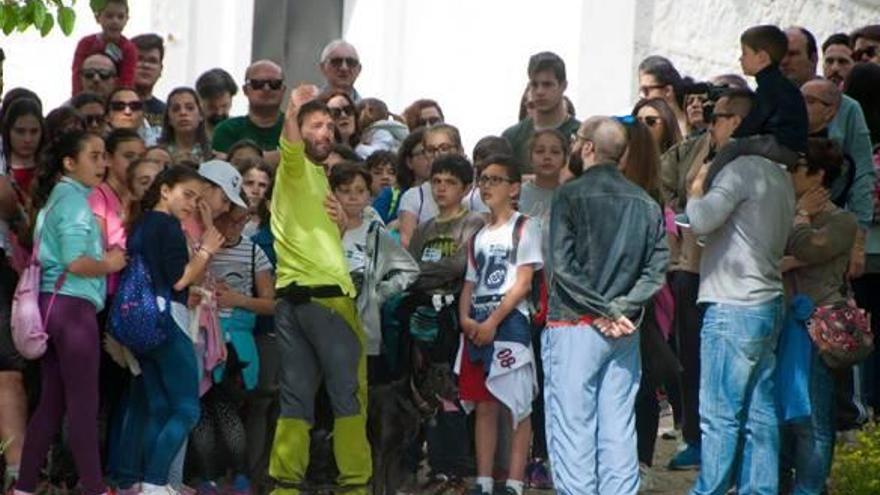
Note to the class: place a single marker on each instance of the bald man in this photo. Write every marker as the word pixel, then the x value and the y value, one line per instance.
pixel 609 257
pixel 264 88
pixel 98 75
pixel 823 99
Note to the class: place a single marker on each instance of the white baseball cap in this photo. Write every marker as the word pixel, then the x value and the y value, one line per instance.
pixel 226 177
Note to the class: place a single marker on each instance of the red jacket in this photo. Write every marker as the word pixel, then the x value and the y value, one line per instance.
pixel 95 43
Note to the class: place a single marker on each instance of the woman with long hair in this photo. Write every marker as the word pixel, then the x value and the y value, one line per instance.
pixel 24 137
pixel 659 117
pixel 183 127
pixel 74 268
pixel 344 113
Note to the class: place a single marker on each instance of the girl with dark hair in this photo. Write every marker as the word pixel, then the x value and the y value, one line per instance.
pixel 63 120
pixel 140 176
pixel 243 151
pixel 660 118
pixel 183 127
pixel 170 371
pixel 641 160
pixel 423 113
pixel 256 180
pixel 658 78
pixel 344 113
pixel 24 137
pixel 74 267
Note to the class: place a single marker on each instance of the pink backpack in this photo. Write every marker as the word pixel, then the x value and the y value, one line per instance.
pixel 28 326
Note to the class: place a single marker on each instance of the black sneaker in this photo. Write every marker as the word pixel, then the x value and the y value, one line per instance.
pixel 477 490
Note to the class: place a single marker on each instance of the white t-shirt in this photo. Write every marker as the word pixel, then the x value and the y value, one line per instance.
pixel 420 202
pixel 535 202
pixel 495 273
pixel 232 265
pixel 474 202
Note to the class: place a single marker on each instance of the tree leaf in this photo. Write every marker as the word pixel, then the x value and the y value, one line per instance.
pixel 48 24
pixel 97 5
pixel 66 18
pixel 38 12
pixel 11 17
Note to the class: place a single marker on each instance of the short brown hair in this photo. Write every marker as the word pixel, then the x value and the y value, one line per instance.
pixel 767 38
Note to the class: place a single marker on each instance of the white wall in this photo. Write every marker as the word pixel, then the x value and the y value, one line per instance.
pixel 199 35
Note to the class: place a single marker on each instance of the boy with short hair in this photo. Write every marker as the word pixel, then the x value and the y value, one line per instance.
pixel 777 126
pixel 110 41
pixel 495 361
pixel 379 267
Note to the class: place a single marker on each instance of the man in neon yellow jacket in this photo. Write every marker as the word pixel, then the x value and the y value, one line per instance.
pixel 319 333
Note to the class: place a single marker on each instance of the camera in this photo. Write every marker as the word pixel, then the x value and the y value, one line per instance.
pixel 710 93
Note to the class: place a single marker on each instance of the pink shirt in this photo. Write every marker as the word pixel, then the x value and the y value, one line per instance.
pixel 108 209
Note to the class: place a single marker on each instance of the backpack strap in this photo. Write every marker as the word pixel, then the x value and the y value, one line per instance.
pixel 253 268
pixel 517 236
pixel 471 248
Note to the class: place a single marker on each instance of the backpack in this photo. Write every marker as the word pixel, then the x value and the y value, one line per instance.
pixel 538 296
pixel 28 326
pixel 136 317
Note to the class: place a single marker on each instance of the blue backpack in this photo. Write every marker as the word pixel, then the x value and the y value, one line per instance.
pixel 136 317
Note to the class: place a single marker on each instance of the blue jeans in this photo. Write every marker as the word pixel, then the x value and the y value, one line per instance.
pixel 126 453
pixel 807 446
pixel 171 384
pixel 590 386
pixel 740 429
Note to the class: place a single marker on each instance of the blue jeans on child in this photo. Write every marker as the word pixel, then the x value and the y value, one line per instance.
pixel 171 384
pixel 808 445
pixel 590 386
pixel 737 399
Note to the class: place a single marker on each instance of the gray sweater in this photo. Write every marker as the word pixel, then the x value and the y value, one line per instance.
pixel 745 217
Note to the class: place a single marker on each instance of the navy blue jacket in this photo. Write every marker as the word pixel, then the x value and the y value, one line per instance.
pixel 779 110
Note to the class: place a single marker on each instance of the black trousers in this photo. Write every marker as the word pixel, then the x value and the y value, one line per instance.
pixel 687 323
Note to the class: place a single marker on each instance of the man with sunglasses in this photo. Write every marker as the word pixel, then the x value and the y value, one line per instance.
pixel 92 108
pixel 341 66
pixel 264 88
pixel 98 75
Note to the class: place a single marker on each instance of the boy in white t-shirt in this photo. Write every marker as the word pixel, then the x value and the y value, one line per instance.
pixel 495 362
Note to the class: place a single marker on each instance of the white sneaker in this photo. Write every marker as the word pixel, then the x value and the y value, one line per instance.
pixel 646 479
pixel 148 489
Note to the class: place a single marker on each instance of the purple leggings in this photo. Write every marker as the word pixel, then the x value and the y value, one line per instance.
pixel 69 372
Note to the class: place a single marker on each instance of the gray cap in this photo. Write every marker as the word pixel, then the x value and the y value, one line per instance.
pixel 225 176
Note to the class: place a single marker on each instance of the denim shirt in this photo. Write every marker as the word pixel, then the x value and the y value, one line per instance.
pixel 68 229
pixel 608 251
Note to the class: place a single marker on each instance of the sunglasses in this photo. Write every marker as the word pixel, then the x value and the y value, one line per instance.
pixel 93 120
pixel 337 112
pixel 650 120
pixel 867 52
pixel 351 62
pixel 258 84
pixel 119 106
pixel 429 122
pixel 102 74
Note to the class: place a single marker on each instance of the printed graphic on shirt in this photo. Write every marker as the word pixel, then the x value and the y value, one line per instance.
pixel 438 248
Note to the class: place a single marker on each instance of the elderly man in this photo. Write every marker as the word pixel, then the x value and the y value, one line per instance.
pixel 98 75
pixel 823 102
pixel 264 88
pixel 744 218
pixel 609 256
pixel 341 67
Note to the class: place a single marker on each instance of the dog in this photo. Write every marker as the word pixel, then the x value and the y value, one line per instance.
pixel 395 416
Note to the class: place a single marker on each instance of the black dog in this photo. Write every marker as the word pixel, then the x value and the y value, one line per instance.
pixel 395 415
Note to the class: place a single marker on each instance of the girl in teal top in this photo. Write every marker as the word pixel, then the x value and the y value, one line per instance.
pixel 70 242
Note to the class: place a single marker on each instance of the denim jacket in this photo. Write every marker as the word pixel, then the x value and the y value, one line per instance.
pixel 608 250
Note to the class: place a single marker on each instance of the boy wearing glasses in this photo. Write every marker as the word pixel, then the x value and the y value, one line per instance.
pixel 495 362
pixel 110 41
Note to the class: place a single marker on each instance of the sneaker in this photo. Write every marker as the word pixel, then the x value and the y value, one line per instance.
pixel 683 221
pixel 687 459
pixel 159 490
pixel 507 491
pixel 669 434
pixel 646 478
pixel 477 490
pixel 538 475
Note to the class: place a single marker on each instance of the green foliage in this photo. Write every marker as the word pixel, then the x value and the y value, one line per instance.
pixel 22 15
pixel 856 468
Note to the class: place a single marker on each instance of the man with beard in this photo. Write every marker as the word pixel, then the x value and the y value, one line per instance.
pixel 264 88
pixel 216 89
pixel 98 75
pixel 837 58
pixel 319 332
pixel 341 67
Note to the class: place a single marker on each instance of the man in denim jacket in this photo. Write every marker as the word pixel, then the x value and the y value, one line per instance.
pixel 608 257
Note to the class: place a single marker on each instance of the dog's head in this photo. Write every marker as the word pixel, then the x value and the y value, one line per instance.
pixel 435 381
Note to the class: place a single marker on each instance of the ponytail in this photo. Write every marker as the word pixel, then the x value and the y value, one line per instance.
pixel 68 145
pixel 170 177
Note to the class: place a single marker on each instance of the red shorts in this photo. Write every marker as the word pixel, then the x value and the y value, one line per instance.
pixel 472 381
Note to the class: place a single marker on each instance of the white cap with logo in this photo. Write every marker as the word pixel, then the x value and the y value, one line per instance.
pixel 226 177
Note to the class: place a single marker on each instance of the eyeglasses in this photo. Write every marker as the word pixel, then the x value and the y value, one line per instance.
pixel 644 90
pixel 492 180
pixel 93 120
pixel 337 112
pixel 259 84
pixel 650 120
pixel 120 106
pixel 102 74
pixel 865 53
pixel 351 62
pixel 417 153
pixel 430 121
pixel 716 116
pixel 443 148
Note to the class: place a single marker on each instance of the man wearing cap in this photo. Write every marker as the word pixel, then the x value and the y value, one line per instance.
pixel 316 320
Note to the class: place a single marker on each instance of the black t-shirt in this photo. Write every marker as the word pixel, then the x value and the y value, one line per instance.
pixel 164 250
pixel 154 111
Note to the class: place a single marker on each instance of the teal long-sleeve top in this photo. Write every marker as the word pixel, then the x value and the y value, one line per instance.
pixel 68 230
pixel 850 130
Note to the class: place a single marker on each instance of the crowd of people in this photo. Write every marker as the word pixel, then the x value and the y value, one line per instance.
pixel 215 289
